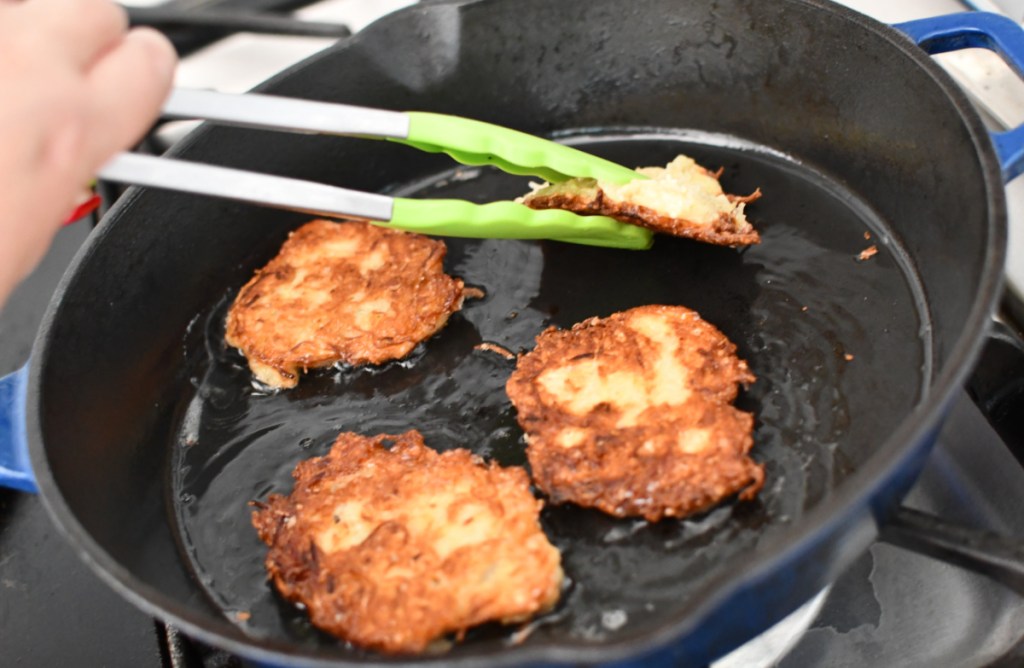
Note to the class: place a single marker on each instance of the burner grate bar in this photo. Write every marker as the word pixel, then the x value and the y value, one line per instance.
pixel 257 14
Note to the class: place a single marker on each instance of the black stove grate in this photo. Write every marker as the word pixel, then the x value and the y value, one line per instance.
pixel 179 651
pixel 232 15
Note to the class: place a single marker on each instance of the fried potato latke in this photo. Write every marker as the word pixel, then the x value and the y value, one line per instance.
pixel 391 549
pixel 682 199
pixel 632 414
pixel 347 292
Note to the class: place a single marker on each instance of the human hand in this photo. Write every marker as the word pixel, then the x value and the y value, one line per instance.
pixel 75 87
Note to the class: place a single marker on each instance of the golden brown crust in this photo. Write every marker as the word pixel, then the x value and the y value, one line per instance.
pixel 726 227
pixel 391 549
pixel 632 414
pixel 723 231
pixel 347 292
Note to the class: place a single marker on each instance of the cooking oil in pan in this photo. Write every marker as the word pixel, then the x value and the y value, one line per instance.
pixel 839 346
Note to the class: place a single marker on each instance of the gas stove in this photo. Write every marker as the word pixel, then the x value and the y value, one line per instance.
pixel 893 607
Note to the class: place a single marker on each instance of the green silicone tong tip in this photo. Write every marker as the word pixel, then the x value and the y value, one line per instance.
pixel 473 142
pixel 510 220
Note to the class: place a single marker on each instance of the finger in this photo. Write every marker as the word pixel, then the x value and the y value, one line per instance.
pixel 83 29
pixel 126 90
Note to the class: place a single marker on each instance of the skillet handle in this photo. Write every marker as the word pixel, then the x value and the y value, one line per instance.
pixel 15 468
pixel 985 30
pixel 999 394
pixel 999 557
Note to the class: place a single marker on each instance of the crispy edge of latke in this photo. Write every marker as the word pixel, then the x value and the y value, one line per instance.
pixel 291 562
pixel 273 370
pixel 542 421
pixel 558 474
pixel 723 231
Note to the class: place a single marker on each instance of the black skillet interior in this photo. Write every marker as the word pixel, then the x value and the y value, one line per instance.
pixel 135 334
pixel 801 307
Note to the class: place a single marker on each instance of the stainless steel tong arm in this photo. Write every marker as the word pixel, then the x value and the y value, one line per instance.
pixel 318 199
pixel 282 113
pixel 267 112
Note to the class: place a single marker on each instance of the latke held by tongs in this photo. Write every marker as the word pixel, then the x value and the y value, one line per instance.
pixel 467 141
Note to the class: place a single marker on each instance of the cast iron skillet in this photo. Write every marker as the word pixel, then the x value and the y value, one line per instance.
pixel 148 439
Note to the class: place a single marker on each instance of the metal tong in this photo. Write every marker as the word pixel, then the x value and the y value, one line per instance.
pixel 467 141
